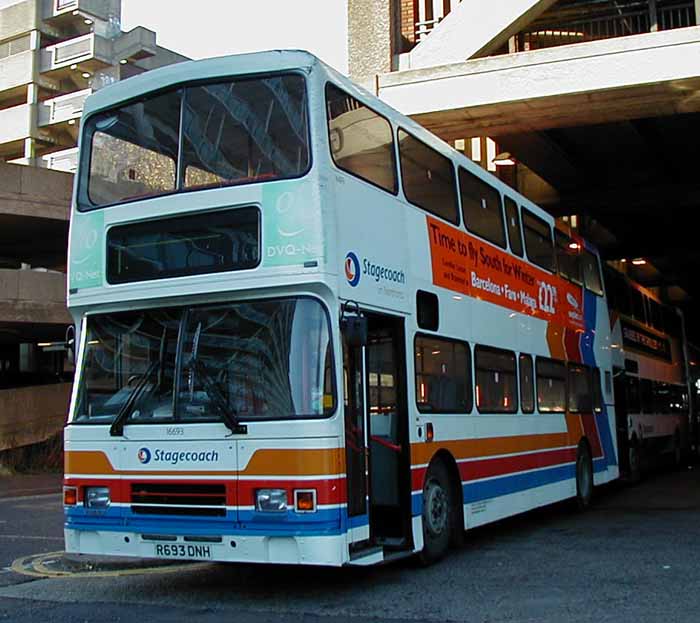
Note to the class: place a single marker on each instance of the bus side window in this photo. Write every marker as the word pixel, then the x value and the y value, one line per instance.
pixel 597 390
pixel 428 178
pixel 427 310
pixel 481 208
pixel 527 384
pixel 551 385
pixel 443 375
pixel 580 391
pixel 591 273
pixel 538 240
pixel 567 257
pixel 496 385
pixel 633 401
pixel 361 140
pixel 513 225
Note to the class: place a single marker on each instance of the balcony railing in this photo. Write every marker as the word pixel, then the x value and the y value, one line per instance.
pixel 593 20
pixel 430 14
pixel 63 108
pixel 84 49
pixel 81 8
pixel 66 160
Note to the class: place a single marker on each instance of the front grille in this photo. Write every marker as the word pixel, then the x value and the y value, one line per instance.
pixel 180 499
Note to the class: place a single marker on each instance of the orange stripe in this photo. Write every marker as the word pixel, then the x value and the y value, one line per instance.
pixel 286 462
pixel 555 341
pixel 87 462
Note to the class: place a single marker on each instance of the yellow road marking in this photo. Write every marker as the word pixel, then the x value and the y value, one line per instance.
pixel 35 566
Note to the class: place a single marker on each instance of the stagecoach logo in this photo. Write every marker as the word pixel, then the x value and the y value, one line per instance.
pixel 144 455
pixel 352 269
pixel 572 300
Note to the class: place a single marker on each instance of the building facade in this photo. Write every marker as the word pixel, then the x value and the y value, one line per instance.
pixel 53 54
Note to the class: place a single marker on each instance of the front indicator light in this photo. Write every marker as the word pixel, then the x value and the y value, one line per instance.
pixel 305 500
pixel 70 496
pixel 271 500
pixel 97 497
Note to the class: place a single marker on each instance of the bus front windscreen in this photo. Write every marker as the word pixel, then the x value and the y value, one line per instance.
pixel 254 360
pixel 210 135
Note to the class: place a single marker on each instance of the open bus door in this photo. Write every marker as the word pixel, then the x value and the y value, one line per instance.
pixel 376 435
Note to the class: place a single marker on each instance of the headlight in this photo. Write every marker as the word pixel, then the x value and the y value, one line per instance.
pixel 271 500
pixel 97 497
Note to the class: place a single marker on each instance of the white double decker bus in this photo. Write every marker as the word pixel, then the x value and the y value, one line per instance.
pixel 311 332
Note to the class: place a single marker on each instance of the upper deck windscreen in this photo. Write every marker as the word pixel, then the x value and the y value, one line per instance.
pixel 201 136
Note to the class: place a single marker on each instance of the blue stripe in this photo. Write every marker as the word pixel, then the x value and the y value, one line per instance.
pixel 513 483
pixel 487 489
pixel 358 521
pixel 590 306
pixel 322 522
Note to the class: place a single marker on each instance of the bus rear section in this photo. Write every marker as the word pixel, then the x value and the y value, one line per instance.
pixel 651 371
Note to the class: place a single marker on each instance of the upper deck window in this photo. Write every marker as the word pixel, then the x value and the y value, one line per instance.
pixel 133 150
pixel 538 240
pixel 481 208
pixel 428 178
pixel 361 140
pixel 202 136
pixel 591 273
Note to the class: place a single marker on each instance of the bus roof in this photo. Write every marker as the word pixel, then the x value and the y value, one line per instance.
pixel 205 69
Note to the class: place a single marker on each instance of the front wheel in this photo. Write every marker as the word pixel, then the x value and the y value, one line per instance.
pixel 584 476
pixel 437 513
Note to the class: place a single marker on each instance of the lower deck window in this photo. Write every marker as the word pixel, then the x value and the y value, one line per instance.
pixel 443 375
pixel 496 385
pixel 551 385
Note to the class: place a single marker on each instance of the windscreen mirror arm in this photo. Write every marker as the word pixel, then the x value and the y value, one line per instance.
pixel 353 325
pixel 71 345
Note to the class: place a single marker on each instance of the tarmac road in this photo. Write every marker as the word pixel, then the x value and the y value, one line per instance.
pixel 633 557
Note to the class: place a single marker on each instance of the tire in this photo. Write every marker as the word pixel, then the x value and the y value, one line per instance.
pixel 634 462
pixel 438 513
pixel 584 476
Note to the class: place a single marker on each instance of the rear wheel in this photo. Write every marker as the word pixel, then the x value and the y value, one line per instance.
pixel 438 510
pixel 584 476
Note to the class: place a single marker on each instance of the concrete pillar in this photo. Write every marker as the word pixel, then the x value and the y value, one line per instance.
pixel 371 26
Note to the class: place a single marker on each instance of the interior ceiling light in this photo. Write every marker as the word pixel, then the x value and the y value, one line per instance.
pixel 123 61
pixel 574 246
pixel 88 21
pixel 74 67
pixel 504 159
pixel 86 75
pixel 639 261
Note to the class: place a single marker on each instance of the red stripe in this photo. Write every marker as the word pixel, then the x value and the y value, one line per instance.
pixel 488 468
pixel 591 429
pixel 571 344
pixel 328 491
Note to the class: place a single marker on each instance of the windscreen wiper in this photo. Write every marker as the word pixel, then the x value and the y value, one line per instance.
pixel 228 414
pixel 117 428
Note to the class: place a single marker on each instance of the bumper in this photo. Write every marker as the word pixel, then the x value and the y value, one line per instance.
pixel 311 550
